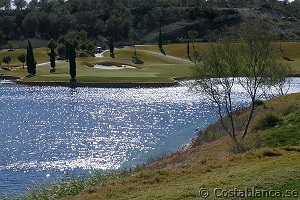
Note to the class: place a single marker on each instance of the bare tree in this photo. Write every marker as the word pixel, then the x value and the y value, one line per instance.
pixel 217 75
pixel 250 63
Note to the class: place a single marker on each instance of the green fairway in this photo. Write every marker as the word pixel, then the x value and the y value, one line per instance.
pixel 109 73
pixel 156 68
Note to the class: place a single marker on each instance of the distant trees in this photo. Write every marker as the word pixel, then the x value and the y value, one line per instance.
pixel 6 4
pixel 30 61
pixel 2 38
pixel 19 4
pixel 72 62
pixel 22 59
pixel 251 64
pixel 52 19
pixel 11 46
pixel 61 50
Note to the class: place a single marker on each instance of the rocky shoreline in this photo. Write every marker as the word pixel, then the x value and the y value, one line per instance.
pixel 17 80
pixel 100 84
pixel 5 77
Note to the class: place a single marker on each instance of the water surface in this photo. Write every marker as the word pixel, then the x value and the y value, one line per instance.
pixel 47 132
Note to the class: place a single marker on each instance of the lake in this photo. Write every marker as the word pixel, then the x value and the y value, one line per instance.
pixel 48 132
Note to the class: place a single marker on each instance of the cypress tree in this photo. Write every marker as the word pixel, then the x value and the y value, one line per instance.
pixel 67 44
pixel 111 47
pixel 30 62
pixel 52 47
pixel 52 58
pixel 72 62
pixel 188 49
pixel 160 43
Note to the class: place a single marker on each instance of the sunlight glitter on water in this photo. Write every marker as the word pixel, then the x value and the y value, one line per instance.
pixel 79 125
pixel 48 131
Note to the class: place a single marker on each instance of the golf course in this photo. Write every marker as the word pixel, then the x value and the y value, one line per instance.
pixel 211 168
pixel 156 67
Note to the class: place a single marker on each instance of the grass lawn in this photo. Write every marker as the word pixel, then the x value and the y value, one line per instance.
pixel 156 68
pixel 291 50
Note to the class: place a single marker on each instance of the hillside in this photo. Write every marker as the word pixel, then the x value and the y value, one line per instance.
pixel 137 21
pixel 224 22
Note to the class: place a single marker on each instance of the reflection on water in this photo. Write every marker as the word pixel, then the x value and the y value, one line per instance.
pixel 48 131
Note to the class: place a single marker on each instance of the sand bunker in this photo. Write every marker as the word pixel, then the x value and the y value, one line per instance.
pixel 113 67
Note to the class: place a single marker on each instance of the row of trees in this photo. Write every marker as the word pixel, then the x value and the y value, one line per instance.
pixel 31 63
pixel 123 19
pixel 7 59
pixel 48 4
pixel 71 55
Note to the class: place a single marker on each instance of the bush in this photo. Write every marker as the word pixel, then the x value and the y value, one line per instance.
pixel 258 102
pixel 268 121
pixel 271 154
pixel 83 54
pixel 137 60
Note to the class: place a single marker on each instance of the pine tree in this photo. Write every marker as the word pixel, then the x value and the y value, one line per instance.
pixel 30 62
pixel 72 62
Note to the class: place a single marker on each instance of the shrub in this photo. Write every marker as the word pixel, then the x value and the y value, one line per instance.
pixel 137 60
pixel 271 154
pixel 268 121
pixel 258 102
pixel 83 54
pixel 292 149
